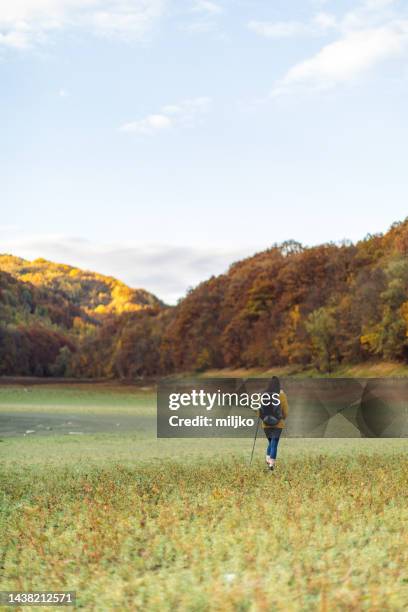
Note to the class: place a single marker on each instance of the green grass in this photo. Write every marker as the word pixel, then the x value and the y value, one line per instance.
pixel 82 398
pixel 324 532
pixel 134 449
pixel 135 523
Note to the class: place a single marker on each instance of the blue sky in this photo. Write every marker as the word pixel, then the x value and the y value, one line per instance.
pixel 160 140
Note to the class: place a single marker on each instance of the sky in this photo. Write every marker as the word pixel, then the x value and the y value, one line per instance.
pixel 161 140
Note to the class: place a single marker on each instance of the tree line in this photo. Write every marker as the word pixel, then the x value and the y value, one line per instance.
pixel 322 306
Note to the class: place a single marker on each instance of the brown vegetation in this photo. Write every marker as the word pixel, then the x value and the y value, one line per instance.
pixel 328 305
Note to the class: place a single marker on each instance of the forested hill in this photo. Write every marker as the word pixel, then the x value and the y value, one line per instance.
pixel 49 312
pixel 326 305
pixel 95 293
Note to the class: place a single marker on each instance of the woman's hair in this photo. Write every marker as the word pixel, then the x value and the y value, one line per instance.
pixel 273 385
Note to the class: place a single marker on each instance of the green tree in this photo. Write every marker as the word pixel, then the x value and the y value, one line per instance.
pixel 321 326
pixel 62 364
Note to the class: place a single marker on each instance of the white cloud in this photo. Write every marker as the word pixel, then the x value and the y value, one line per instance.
pixel 188 108
pixel 25 23
pixel 165 270
pixel 277 29
pixel 206 13
pixel 172 115
pixel 320 23
pixel 376 4
pixel 369 34
pixel 205 6
pixel 198 27
pixel 131 19
pixel 347 57
pixel 14 39
pixel 148 125
pixel 325 21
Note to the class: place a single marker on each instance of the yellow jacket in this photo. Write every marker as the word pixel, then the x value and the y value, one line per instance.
pixel 285 411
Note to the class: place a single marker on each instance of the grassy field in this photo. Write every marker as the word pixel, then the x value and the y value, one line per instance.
pixel 135 523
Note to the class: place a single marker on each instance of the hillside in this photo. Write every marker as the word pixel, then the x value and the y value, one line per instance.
pixel 49 312
pixel 35 326
pixel 95 293
pixel 325 307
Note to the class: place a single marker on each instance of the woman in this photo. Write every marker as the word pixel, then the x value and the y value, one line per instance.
pixel 273 432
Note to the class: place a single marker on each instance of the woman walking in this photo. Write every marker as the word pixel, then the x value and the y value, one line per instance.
pixel 273 419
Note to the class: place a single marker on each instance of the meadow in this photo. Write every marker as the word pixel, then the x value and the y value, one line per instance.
pixel 134 523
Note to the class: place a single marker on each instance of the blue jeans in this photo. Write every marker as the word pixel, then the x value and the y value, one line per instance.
pixel 272 449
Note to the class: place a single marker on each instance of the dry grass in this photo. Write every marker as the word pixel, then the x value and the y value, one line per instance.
pixel 321 533
pixel 135 523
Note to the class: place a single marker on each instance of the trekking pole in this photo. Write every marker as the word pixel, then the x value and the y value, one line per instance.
pixel 253 447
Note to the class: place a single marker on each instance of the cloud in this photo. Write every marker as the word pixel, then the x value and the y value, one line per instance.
pixel 172 115
pixel 277 29
pixel 325 21
pixel 202 26
pixel 148 125
pixel 371 33
pixel 14 39
pixel 26 23
pixel 132 19
pixel 205 19
pixel 320 23
pixel 376 4
pixel 347 58
pixel 165 270
pixel 205 6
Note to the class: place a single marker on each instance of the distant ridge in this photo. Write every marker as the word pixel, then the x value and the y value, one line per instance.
pixel 49 312
pixel 95 293
pixel 326 307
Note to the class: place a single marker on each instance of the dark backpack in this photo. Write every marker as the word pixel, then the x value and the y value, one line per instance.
pixel 271 415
